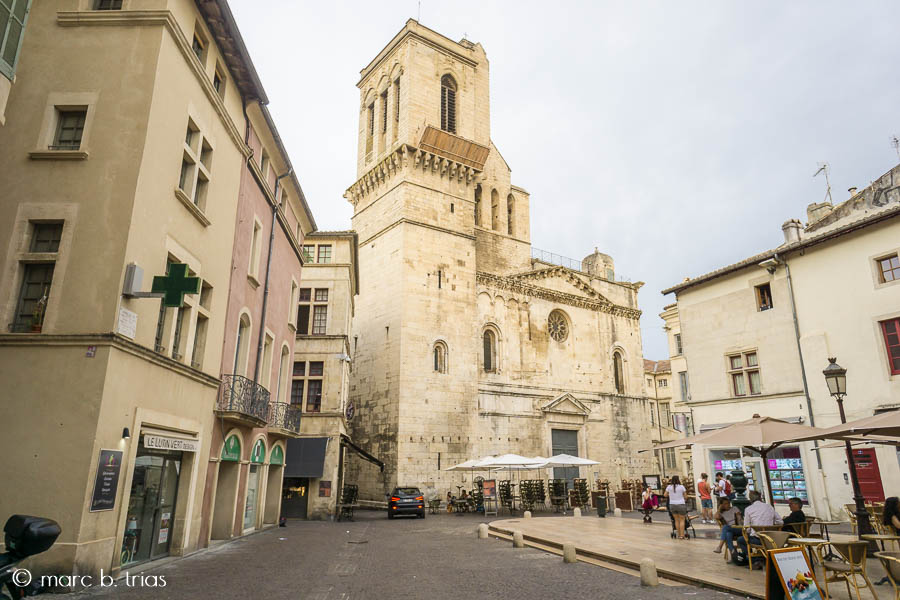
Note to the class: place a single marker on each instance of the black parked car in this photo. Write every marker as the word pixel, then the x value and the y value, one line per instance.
pixel 406 501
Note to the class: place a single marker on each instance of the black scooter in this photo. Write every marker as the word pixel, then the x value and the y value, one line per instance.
pixel 24 536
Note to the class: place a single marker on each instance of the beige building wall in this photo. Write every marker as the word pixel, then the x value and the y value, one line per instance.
pixel 115 196
pixel 840 302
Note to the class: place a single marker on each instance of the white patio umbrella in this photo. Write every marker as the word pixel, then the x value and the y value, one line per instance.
pixel 472 463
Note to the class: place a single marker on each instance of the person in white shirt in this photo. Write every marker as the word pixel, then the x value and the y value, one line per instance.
pixel 758 513
pixel 675 493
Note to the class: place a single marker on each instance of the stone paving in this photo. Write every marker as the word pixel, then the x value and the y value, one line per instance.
pixel 373 557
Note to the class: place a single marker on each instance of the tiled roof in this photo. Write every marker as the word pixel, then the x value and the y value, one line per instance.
pixel 657 366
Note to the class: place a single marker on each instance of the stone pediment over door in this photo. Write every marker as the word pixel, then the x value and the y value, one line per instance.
pixel 566 408
pixel 562 280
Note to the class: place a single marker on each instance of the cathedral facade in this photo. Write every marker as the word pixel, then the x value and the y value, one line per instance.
pixel 463 344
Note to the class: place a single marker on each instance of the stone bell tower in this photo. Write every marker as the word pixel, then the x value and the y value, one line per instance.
pixel 424 138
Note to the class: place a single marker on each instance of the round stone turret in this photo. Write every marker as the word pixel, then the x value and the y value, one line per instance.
pixel 599 265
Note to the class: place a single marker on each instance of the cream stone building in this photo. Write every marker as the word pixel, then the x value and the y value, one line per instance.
pixel 757 335
pixel 666 424
pixel 465 341
pixel 116 182
pixel 321 377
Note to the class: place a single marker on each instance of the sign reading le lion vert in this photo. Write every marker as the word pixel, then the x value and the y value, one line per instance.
pixel 107 480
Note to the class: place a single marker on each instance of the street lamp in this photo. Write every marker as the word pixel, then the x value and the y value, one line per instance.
pixel 836 379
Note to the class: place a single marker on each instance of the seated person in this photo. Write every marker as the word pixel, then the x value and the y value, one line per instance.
pixel 758 513
pixel 729 517
pixel 449 502
pixel 796 515
pixel 891 515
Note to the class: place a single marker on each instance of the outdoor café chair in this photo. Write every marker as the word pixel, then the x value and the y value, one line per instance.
pixel 757 550
pixel 801 529
pixel 772 540
pixel 850 509
pixel 891 563
pixel 854 564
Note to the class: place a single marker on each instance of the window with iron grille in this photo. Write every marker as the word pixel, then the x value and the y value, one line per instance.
pixel 891 331
pixel 889 268
pixel 448 104
pixel 744 372
pixel 69 129
pixel 13 15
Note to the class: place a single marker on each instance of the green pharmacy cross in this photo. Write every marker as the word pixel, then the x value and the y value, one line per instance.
pixel 175 284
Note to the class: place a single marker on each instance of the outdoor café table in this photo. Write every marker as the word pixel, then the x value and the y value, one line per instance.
pixel 823 529
pixel 460 505
pixel 880 537
pixel 807 544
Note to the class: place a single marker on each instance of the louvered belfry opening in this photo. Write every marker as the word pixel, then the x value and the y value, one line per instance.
pixel 448 104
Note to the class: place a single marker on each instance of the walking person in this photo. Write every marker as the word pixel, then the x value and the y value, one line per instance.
pixel 729 489
pixel 705 499
pixel 720 487
pixel 675 493
pixel 729 517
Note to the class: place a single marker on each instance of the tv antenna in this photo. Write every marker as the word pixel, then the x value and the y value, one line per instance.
pixel 823 168
pixel 895 142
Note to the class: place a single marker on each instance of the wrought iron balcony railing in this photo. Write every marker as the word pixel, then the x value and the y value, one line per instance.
pixel 285 416
pixel 242 395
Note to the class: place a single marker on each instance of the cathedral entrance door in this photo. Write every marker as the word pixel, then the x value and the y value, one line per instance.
pixel 565 441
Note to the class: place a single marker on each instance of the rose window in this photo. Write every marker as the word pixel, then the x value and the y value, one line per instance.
pixel 558 326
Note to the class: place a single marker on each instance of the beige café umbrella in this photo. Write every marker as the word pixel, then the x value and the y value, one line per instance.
pixel 886 424
pixel 760 434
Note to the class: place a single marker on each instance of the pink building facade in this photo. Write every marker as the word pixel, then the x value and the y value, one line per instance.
pixel 254 415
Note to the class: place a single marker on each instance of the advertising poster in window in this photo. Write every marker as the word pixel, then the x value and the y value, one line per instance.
pixel 164 527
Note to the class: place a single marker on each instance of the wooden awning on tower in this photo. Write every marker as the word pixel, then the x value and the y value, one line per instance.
pixel 454 147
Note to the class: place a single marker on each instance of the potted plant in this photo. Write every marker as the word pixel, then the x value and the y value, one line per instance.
pixel 37 314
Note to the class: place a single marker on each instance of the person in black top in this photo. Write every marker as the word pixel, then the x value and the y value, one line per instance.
pixel 796 515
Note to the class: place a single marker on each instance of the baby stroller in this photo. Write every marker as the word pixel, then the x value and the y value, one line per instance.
pixel 649 505
pixel 688 524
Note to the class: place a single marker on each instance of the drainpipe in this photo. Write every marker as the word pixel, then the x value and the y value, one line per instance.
pixel 812 420
pixel 262 322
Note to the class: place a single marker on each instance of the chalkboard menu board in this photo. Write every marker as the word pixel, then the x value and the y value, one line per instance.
pixel 107 481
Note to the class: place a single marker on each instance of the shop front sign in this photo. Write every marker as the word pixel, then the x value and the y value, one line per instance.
pixel 159 442
pixel 107 480
pixel 277 456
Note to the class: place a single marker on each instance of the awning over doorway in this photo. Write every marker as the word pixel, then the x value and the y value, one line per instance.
pixel 305 457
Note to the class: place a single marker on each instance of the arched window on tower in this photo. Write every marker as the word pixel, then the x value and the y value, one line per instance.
pixel 490 350
pixel 440 357
pixel 448 104
pixel 618 373
pixel 478 204
pixel 495 210
pixel 510 214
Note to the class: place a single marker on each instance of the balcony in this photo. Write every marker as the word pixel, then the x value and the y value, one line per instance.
pixel 242 401
pixel 284 419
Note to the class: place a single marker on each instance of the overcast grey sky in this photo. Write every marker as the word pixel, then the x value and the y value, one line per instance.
pixel 675 136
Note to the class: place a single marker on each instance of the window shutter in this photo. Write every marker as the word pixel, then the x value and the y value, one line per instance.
pixel 13 15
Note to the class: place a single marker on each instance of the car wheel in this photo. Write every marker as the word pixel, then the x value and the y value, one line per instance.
pixel 422 515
